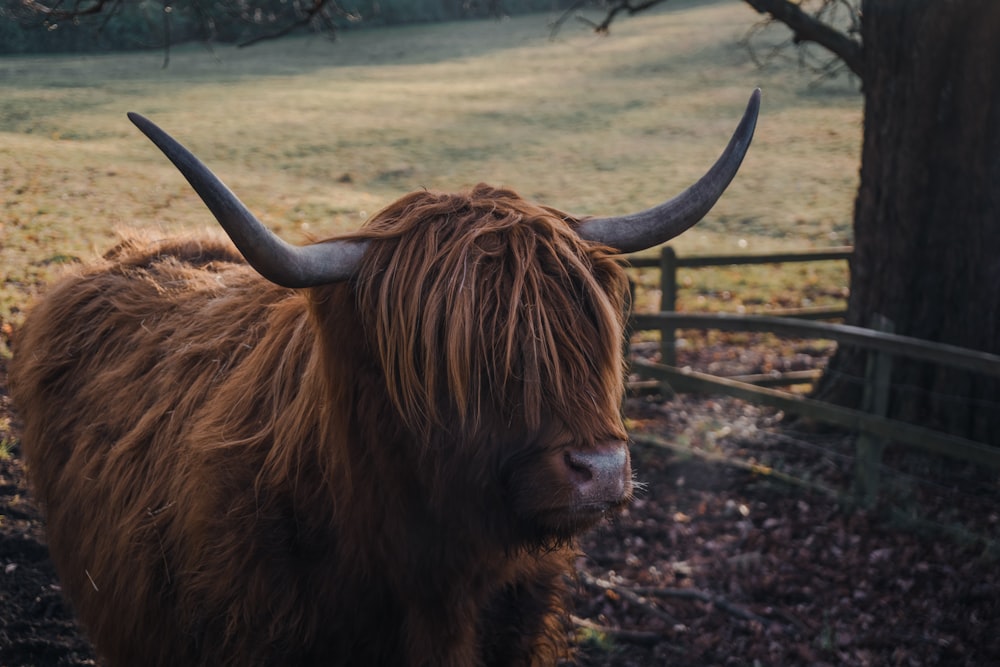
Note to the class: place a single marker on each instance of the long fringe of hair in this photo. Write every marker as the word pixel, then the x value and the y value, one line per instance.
pixel 483 303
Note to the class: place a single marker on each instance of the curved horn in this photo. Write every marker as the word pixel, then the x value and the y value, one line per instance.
pixel 638 231
pixel 273 258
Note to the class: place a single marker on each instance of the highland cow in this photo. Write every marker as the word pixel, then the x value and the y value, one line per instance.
pixel 372 450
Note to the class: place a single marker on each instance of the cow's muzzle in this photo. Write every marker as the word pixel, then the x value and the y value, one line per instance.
pixel 601 476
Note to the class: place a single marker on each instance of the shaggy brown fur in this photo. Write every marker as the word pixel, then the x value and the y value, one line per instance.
pixel 363 473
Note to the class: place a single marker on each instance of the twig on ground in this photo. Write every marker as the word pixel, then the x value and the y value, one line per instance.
pixel 702 596
pixel 627 594
pixel 639 595
pixel 640 637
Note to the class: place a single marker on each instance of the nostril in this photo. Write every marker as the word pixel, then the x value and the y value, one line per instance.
pixel 600 474
pixel 579 465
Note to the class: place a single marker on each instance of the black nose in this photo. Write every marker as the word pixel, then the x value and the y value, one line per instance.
pixel 600 475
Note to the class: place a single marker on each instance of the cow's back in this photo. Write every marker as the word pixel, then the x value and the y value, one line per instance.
pixel 99 355
pixel 110 372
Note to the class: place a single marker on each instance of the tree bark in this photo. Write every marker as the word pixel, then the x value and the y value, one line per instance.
pixel 927 215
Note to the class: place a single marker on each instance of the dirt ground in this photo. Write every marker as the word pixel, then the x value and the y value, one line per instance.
pixel 711 565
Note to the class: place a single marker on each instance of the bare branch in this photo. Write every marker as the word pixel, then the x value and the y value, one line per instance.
pixel 55 12
pixel 805 27
pixel 764 51
pixel 320 11
pixel 808 28
pixel 626 6
pixel 555 25
pixel 307 17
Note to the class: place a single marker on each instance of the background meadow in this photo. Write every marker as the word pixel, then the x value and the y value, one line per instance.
pixel 316 135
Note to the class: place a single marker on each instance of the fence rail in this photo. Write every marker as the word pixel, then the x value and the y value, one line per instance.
pixel 817 255
pixel 856 420
pixel 669 262
pixel 873 427
pixel 949 355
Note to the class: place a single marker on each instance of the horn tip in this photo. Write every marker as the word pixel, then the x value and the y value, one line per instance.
pixel 140 122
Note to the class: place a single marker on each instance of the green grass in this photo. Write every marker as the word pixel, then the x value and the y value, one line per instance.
pixel 749 288
pixel 317 135
pixel 7 441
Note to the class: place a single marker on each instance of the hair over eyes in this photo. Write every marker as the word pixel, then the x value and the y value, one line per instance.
pixel 483 303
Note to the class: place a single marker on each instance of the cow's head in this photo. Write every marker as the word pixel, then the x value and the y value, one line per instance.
pixel 498 328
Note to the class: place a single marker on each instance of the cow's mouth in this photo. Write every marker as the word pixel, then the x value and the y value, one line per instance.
pixel 578 517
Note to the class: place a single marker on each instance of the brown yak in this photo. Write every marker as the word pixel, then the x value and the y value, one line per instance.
pixel 373 450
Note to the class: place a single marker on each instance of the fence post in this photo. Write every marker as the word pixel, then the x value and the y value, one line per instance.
pixel 875 400
pixel 627 338
pixel 668 303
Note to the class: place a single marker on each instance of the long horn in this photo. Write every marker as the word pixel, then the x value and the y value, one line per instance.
pixel 638 231
pixel 276 260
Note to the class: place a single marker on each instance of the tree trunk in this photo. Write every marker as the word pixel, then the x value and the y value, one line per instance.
pixel 927 216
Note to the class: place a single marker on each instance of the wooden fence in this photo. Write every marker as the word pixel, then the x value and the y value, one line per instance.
pixel 874 428
pixel 668 262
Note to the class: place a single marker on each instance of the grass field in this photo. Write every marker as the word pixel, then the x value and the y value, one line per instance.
pixel 316 135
